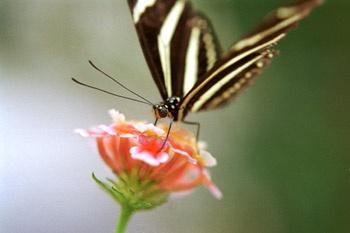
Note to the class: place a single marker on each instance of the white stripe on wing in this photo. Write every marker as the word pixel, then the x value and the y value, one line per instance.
pixel 191 65
pixel 166 33
pixel 140 8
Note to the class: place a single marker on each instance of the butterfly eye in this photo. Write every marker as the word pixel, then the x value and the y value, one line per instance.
pixel 163 112
pixel 160 111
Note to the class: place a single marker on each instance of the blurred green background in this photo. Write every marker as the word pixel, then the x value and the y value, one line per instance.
pixel 282 146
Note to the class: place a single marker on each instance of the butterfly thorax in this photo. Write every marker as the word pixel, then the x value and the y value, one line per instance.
pixel 167 108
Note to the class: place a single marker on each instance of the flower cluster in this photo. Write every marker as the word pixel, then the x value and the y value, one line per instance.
pixel 149 165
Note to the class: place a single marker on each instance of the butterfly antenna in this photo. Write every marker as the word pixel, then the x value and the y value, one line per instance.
pixel 117 82
pixel 110 93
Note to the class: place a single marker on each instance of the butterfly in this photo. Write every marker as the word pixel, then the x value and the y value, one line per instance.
pixel 187 63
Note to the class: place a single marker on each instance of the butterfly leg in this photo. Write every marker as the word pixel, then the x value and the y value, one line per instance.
pixel 167 135
pixel 155 122
pixel 197 124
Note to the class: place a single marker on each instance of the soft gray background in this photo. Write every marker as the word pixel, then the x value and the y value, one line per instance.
pixel 282 146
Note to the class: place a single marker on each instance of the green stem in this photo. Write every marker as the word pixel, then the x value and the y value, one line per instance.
pixel 124 218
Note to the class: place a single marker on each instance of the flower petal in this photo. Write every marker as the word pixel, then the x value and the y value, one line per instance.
pixel 147 157
pixel 94 132
pixel 215 191
pixel 184 153
pixel 117 116
pixel 211 186
pixel 84 133
pixel 107 129
pixel 202 145
pixel 127 135
pixel 141 127
pixel 209 160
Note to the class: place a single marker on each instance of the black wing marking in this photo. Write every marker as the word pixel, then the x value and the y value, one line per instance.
pixel 178 43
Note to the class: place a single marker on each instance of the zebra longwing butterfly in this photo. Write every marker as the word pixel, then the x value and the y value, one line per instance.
pixel 185 59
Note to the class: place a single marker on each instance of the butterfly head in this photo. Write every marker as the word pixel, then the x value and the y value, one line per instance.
pixel 160 110
pixel 168 108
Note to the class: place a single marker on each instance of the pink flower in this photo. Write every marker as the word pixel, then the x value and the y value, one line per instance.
pixel 139 150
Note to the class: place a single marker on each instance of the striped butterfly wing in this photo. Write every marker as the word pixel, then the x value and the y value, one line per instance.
pixel 178 43
pixel 277 22
pixel 245 60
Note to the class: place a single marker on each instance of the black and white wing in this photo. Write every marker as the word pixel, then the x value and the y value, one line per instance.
pixel 178 43
pixel 245 60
